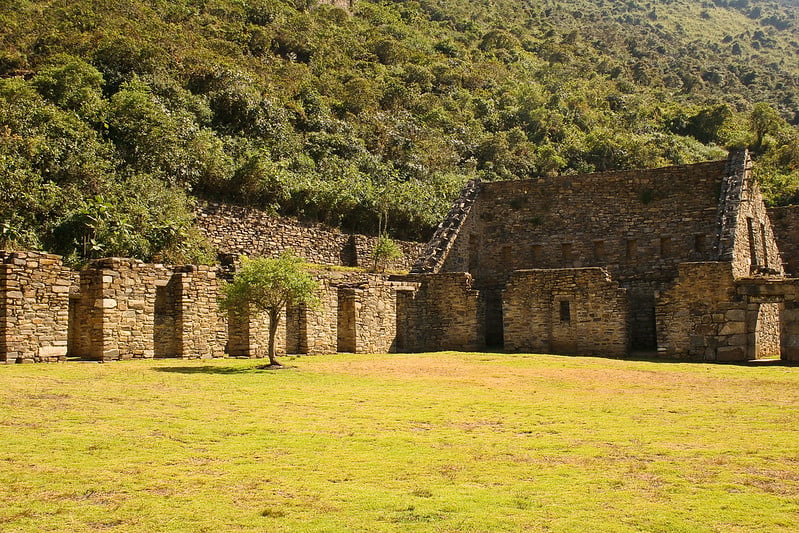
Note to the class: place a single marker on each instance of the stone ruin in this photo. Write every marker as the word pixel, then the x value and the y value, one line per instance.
pixel 677 262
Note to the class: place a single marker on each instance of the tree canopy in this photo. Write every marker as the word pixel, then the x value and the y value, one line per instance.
pixel 266 285
pixel 115 116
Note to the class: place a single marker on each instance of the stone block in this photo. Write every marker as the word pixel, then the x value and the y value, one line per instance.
pixel 730 354
pixel 733 328
pixel 735 315
pixel 52 351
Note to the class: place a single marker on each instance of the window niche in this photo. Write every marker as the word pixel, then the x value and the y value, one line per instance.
pixel 564 310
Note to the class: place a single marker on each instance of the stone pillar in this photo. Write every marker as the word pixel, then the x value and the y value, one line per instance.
pixel 118 298
pixel 789 322
pixel 34 307
pixel 201 328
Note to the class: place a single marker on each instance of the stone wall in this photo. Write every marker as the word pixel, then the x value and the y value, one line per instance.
pixel 243 231
pixel 34 307
pixel 573 311
pixel 785 224
pixel 118 300
pixel 701 316
pixel 199 323
pixel 634 223
pixel 439 312
pixel 357 312
pixel 754 249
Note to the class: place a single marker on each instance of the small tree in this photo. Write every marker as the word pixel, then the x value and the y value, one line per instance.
pixel 385 249
pixel 268 285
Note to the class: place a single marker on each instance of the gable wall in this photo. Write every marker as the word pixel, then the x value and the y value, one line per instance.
pixel 635 223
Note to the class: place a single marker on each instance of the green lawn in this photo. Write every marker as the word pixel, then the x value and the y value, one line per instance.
pixel 426 442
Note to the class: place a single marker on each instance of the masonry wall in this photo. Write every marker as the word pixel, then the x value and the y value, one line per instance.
pixel 238 230
pixel 439 312
pixel 785 224
pixel 565 311
pixel 118 301
pixel 34 307
pixel 635 223
pixel 199 322
pixel 356 312
pixel 755 248
pixel 701 316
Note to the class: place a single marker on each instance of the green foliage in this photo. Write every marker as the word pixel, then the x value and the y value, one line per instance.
pixel 385 111
pixel 385 250
pixel 269 285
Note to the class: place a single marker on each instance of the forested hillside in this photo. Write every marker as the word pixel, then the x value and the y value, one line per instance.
pixel 115 115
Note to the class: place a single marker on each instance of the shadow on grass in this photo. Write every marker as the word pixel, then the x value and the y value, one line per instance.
pixel 221 369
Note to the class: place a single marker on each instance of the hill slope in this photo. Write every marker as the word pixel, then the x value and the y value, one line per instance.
pixel 113 114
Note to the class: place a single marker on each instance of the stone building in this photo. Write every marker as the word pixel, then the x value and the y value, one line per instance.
pixel 680 262
pixel 671 261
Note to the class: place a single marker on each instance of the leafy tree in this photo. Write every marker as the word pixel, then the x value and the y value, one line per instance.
pixel 385 250
pixel 264 285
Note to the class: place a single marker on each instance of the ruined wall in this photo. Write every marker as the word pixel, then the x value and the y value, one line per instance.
pixel 565 311
pixel 701 316
pixel 755 249
pixel 238 230
pixel 123 308
pixel 118 301
pixel 34 307
pixel 201 326
pixel 635 223
pixel 785 224
pixel 356 312
pixel 439 312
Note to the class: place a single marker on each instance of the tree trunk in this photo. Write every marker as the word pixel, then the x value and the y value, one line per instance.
pixel 274 319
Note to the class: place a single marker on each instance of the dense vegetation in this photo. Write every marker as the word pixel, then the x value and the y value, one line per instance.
pixel 115 115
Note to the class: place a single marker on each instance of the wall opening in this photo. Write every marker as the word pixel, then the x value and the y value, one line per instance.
pixel 665 247
pixel 699 243
pixel 73 326
pixel 345 339
pixel 506 257
pixel 599 250
pixel 754 260
pixel 764 243
pixel 643 335
pixel 565 311
pixel 631 250
pixel 767 331
pixel 167 330
pixel 495 328
pixel 474 252
pixel 535 254
pixel 566 252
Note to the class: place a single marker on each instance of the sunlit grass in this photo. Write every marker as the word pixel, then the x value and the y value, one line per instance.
pixel 428 442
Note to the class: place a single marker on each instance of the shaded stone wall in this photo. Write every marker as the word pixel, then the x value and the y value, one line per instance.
pixel 34 307
pixel 439 312
pixel 785 224
pixel 565 311
pixel 701 316
pixel 634 223
pixel 118 300
pixel 755 249
pixel 238 230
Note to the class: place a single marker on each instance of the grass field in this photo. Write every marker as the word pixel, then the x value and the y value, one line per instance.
pixel 426 442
